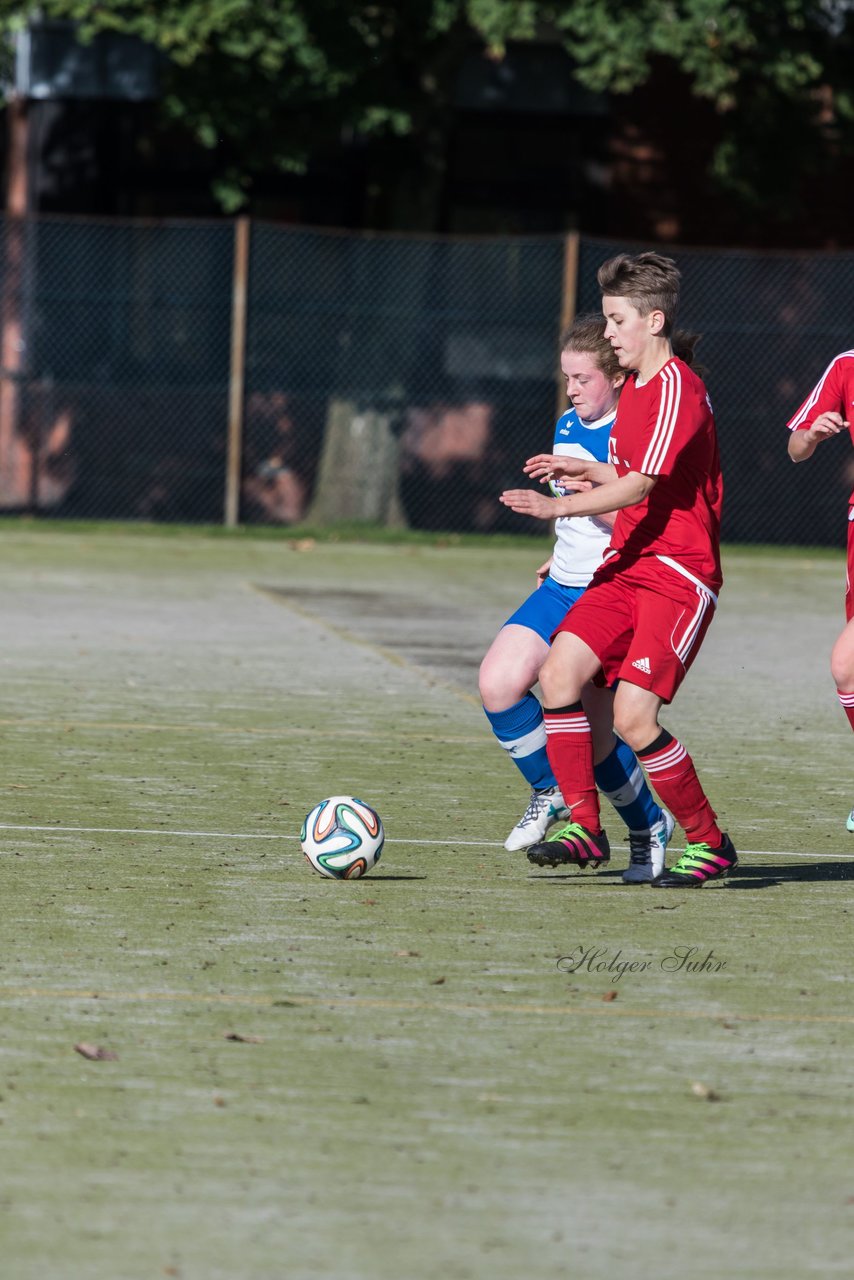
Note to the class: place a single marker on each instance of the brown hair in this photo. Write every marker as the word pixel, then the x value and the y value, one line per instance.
pixel 587 334
pixel 683 344
pixel 649 281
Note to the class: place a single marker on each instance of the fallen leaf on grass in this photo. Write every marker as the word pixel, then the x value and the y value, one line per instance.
pixel 407 953
pixel 437 982
pixel 701 1090
pixel 95 1053
pixel 241 1039
pixel 610 995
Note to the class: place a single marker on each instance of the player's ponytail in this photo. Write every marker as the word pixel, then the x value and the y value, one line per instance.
pixel 683 343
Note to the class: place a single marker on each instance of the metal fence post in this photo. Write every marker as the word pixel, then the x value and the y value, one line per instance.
pixel 237 375
pixel 568 297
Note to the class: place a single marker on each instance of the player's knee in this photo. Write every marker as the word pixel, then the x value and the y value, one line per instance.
pixel 557 685
pixel 842 669
pixel 842 660
pixel 498 687
pixel 488 685
pixel 635 727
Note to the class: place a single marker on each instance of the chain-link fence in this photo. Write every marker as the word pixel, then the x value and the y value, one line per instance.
pixel 115 368
pixel 162 372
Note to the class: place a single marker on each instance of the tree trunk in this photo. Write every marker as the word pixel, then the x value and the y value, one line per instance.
pixel 357 479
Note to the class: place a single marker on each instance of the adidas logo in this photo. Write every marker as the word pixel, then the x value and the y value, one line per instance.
pixel 642 664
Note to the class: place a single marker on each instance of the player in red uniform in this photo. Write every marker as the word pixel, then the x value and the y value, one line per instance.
pixel 643 618
pixel 822 415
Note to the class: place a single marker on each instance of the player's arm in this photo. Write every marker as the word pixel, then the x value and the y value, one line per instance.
pixel 822 414
pixel 547 508
pixel 624 491
pixel 543 571
pixel 554 466
pixel 803 444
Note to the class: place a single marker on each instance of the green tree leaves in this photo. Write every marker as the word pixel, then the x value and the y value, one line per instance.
pixel 268 84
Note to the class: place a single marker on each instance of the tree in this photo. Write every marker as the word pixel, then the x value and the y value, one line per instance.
pixel 776 71
pixel 268 85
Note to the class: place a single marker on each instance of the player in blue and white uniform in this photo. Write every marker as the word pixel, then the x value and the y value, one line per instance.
pixel 511 666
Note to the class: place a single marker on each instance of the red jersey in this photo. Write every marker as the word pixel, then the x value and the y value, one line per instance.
pixel 833 392
pixel 666 428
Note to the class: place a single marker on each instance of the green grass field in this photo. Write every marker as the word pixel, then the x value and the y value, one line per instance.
pixel 400 1077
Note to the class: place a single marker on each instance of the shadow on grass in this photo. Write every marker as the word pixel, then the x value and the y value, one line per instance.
pixel 744 877
pixel 814 871
pixel 375 877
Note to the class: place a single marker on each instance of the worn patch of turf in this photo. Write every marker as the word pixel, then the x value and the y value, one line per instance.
pixel 456 1066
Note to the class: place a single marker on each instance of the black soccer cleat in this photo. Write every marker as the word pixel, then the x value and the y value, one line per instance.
pixel 571 844
pixel 699 864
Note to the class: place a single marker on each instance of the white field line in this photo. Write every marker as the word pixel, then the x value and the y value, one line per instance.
pixel 258 835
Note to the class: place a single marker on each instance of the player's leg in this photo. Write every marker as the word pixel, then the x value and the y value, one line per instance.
pixel 507 675
pixel 842 654
pixel 842 669
pixel 621 780
pixel 709 853
pixel 508 672
pixel 570 666
pixel 667 636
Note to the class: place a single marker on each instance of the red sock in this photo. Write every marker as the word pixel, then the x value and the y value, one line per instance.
pixel 847 700
pixel 570 750
pixel 673 776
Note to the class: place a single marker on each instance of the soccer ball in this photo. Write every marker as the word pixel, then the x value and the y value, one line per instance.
pixel 342 837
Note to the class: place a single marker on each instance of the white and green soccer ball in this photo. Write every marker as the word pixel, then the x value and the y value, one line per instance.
pixel 342 837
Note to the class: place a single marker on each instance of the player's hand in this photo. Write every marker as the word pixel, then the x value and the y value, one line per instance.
pixel 826 424
pixel 543 571
pixel 527 502
pixel 553 466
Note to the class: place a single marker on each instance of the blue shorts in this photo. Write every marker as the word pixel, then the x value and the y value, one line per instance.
pixel 546 608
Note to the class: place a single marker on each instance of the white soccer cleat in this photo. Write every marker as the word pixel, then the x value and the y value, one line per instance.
pixel 544 808
pixel 647 850
pixel 849 825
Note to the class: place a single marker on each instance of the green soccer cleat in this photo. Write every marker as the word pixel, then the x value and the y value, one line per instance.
pixel 572 843
pixel 699 864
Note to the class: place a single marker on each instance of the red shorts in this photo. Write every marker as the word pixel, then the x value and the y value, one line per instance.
pixel 645 623
pixel 849 576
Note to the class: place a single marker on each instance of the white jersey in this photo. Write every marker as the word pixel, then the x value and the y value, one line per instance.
pixel 581 541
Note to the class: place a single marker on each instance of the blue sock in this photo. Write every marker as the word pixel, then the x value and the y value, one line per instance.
pixel 522 734
pixel 621 779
